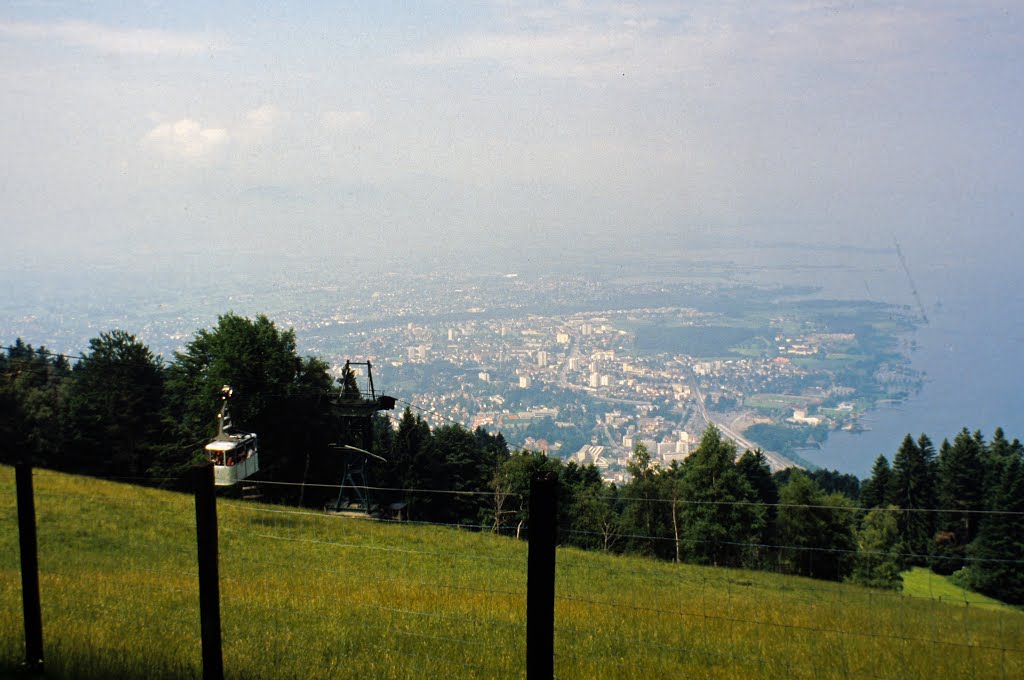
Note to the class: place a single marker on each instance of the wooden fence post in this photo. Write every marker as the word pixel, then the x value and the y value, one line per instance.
pixel 29 568
pixel 540 577
pixel 209 583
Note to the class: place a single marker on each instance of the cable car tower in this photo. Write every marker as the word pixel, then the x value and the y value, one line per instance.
pixel 356 409
pixel 235 456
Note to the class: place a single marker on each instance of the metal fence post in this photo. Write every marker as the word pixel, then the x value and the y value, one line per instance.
pixel 28 546
pixel 209 584
pixel 540 577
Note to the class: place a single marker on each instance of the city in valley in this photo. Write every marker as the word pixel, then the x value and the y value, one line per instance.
pixel 578 367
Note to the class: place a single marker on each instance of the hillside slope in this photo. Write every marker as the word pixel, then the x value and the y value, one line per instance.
pixel 305 594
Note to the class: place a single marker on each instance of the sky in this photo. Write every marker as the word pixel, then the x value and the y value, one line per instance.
pixel 230 129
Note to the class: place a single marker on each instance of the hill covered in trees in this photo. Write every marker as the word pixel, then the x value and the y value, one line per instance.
pixel 120 411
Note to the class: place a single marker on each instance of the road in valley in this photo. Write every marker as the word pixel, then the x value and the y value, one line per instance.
pixel 775 461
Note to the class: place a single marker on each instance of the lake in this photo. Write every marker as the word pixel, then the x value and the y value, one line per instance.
pixel 970 351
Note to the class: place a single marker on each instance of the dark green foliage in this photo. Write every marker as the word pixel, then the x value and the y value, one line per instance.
pixel 878 562
pixel 31 404
pixel 577 482
pixel 121 413
pixel 114 405
pixel 721 515
pixel 830 481
pixel 875 491
pixel 277 394
pixel 996 555
pixel 511 486
pixel 464 467
pixel 596 518
pixel 961 496
pixel 833 481
pixel 644 517
pixel 349 386
pixel 994 458
pixel 753 465
pixel 815 530
pixel 912 489
pixel 253 356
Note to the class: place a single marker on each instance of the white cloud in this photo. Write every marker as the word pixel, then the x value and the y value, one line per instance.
pixel 110 40
pixel 262 118
pixel 186 139
pixel 259 126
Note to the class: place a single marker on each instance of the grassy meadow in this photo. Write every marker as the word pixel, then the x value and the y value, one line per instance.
pixel 307 595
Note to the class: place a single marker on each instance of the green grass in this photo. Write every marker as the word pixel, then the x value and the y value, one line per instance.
pixel 305 595
pixel 921 582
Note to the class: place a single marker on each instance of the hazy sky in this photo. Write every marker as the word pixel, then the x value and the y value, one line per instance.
pixel 313 128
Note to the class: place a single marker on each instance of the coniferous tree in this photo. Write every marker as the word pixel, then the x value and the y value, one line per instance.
pixel 996 565
pixel 753 465
pixel 412 464
pixel 463 468
pixel 876 490
pixel 995 456
pixel 913 491
pixel 722 519
pixel 573 482
pixel 961 496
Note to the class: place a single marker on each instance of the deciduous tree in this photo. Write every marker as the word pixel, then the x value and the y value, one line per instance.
pixel 114 406
pixel 878 562
pixel 815 530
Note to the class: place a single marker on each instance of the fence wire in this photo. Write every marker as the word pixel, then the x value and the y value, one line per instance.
pixel 374 599
pixel 118 579
pixel 309 594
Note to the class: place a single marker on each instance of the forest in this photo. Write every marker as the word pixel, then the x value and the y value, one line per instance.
pixel 121 412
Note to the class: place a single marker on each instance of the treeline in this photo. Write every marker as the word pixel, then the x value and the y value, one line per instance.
pixel 120 411
pixel 959 511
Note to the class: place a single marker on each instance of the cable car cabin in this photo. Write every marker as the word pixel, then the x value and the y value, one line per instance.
pixel 234 457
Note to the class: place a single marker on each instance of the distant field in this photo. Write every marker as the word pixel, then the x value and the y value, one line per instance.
pixel 777 401
pixel 921 582
pixel 696 341
pixel 313 596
